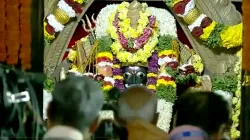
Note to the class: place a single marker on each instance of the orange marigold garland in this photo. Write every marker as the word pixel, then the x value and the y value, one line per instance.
pixel 12 31
pixel 25 34
pixel 2 32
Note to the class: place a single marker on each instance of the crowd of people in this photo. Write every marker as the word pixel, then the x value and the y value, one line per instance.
pixel 77 102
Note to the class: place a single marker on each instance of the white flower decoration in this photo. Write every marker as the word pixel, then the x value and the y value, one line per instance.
pixel 164 60
pixel 68 9
pixel 164 18
pixel 54 23
pixel 102 20
pixel 103 64
pixel 197 22
pixel 165 109
pixel 109 79
pixel 47 97
pixel 167 23
pixel 188 8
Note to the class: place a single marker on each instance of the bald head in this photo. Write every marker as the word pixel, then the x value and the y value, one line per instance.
pixel 137 102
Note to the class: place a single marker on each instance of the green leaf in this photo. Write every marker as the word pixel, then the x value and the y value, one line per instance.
pixel 104 44
pixel 227 82
pixel 165 42
pixel 48 84
pixel 168 93
pixel 130 44
pixel 214 40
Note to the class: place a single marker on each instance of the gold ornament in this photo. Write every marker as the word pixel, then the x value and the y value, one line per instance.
pixel 61 16
pixel 192 15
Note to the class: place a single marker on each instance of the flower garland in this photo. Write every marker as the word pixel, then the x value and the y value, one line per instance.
pixel 25 34
pixel 12 31
pixel 118 74
pixel 65 10
pixel 136 49
pixel 164 17
pixel 124 21
pixel 152 73
pixel 213 34
pixel 236 101
pixel 3 54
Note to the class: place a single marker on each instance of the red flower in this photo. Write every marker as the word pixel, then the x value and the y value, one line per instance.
pixel 172 65
pixel 186 1
pixel 108 83
pixel 75 5
pixel 77 8
pixel 166 78
pixel 103 59
pixel 189 69
pixel 50 29
pixel 197 31
pixel 179 8
pixel 99 77
pixel 206 22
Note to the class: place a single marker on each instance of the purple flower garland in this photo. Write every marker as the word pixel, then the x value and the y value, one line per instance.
pixel 153 67
pixel 118 72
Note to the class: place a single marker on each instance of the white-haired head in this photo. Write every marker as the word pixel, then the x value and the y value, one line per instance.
pixel 137 102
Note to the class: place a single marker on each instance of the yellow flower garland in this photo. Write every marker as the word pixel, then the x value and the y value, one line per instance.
pixel 152 75
pixel 164 82
pixel 152 87
pixel 80 1
pixel 232 37
pixel 124 22
pixel 72 55
pixel 124 56
pixel 105 54
pixel 167 53
pixel 236 100
pixel 118 77
pixel 207 31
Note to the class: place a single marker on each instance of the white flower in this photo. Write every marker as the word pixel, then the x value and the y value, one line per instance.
pixel 47 97
pixel 54 23
pixel 164 75
pixel 164 60
pixel 65 7
pixel 188 8
pixel 103 64
pixel 183 67
pixel 165 110
pixel 167 23
pixel 109 79
pixel 197 22
pixel 102 20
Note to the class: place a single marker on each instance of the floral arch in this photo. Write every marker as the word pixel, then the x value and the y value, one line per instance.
pixel 194 22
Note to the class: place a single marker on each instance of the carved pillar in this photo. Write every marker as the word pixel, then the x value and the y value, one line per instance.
pixel 245 95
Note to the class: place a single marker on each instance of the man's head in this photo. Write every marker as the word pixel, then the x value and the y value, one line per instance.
pixel 76 102
pixel 206 110
pixel 137 102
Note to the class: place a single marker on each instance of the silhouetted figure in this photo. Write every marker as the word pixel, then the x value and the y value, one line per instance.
pixel 74 108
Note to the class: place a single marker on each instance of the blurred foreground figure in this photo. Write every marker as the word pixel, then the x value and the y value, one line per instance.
pixel 207 110
pixel 188 132
pixel 75 107
pixel 137 111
